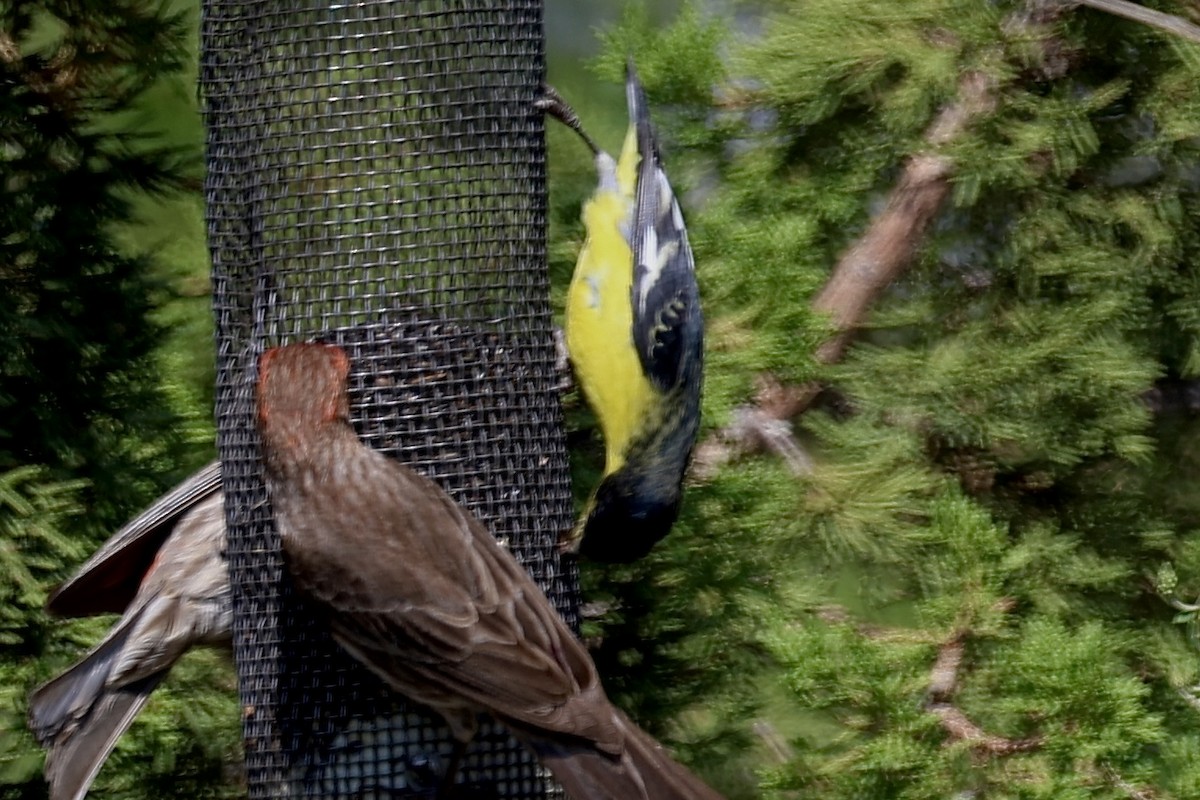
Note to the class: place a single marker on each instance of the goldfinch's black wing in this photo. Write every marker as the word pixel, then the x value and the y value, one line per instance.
pixel 668 329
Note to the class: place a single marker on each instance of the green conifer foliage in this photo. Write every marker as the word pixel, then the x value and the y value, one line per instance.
pixel 87 431
pixel 34 512
pixel 79 391
pixel 965 602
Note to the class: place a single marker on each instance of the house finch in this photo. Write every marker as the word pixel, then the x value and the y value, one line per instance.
pixel 177 594
pixel 418 591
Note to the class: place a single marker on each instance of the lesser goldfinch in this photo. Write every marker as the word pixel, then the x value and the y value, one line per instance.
pixel 635 336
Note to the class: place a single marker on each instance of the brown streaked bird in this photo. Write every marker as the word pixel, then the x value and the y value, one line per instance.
pixel 418 590
pixel 167 571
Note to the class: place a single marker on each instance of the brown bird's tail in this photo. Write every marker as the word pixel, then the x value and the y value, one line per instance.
pixel 78 719
pixel 644 771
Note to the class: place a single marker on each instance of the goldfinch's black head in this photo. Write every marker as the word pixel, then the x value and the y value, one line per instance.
pixel 625 522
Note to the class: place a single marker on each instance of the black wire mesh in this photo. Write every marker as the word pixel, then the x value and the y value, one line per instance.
pixel 376 178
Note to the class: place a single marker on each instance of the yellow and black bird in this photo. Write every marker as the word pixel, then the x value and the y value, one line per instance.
pixel 635 336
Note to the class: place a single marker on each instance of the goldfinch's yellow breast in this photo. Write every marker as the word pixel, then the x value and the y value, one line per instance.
pixel 600 327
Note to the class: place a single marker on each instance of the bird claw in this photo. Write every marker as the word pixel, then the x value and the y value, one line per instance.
pixel 552 103
pixel 562 362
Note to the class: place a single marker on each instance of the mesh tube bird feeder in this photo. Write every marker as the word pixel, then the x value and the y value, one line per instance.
pixel 376 179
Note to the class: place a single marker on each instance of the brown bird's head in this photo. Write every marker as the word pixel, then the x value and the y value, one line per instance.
pixel 301 389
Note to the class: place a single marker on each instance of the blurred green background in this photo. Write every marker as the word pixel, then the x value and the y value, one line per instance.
pixel 978 584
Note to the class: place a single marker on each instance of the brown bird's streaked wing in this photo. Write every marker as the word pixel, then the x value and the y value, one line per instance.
pixel 108 581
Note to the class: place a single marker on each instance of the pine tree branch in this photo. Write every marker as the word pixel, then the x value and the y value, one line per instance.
pixel 883 253
pixel 891 242
pixel 781 751
pixel 868 267
pixel 1169 23
pixel 1132 791
pixel 943 683
pixel 1188 696
pixel 956 723
pixel 761 426
pixel 57 76
pixel 943 680
pixel 943 677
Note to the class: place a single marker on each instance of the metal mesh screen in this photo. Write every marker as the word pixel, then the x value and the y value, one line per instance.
pixel 376 179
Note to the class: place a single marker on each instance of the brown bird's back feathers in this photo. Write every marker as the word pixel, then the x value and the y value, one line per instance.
pixel 419 591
